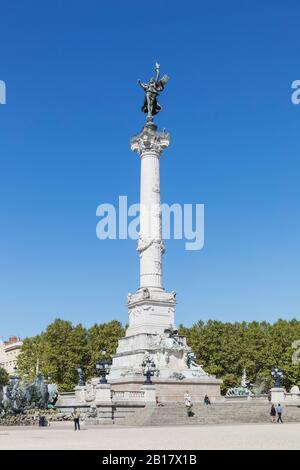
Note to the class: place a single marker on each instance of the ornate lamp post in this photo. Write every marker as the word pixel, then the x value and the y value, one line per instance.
pixel 81 376
pixel 277 375
pixel 103 368
pixel 149 368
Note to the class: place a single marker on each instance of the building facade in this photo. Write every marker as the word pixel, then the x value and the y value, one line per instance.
pixel 9 351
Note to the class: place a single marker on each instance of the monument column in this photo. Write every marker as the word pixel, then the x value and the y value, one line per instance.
pixel 149 144
pixel 152 333
pixel 151 308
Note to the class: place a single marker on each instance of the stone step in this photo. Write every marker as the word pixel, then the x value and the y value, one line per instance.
pixel 176 414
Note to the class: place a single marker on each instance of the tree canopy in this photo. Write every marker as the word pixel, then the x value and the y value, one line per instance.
pixel 225 349
pixel 62 347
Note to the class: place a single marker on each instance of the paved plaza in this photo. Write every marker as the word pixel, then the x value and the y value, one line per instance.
pixel 244 436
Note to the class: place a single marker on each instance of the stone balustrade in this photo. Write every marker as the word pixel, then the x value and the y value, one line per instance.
pixel 292 396
pixel 127 395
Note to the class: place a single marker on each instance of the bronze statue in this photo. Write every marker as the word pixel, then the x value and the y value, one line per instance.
pixel 152 89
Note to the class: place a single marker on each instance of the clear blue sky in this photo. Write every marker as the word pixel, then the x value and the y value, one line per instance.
pixel 73 104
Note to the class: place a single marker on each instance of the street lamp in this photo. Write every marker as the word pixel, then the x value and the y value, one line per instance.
pixel 277 375
pixel 103 368
pixel 149 368
pixel 81 376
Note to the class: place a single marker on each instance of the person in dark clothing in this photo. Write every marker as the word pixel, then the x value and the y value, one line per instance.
pixel 273 414
pixel 279 413
pixel 158 402
pixel 76 417
pixel 207 400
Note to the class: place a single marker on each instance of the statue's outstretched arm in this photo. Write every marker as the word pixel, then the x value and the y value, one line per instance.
pixel 157 70
pixel 142 85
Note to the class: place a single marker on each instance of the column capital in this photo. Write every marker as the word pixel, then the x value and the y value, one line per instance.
pixel 150 139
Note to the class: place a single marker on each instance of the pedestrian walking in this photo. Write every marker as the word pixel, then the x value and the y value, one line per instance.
pixel 279 413
pixel 76 418
pixel 207 400
pixel 273 414
pixel 188 404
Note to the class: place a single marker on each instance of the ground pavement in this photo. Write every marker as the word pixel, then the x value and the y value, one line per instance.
pixel 234 436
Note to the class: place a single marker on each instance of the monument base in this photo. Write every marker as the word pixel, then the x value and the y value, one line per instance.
pixel 174 368
pixel 170 390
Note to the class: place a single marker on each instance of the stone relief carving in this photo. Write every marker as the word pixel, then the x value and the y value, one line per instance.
pixel 156 189
pixel 146 293
pixel 162 358
pixel 144 244
pixel 146 307
pixel 125 373
pixel 90 393
pixel 158 265
pixel 135 312
pixel 150 140
pixel 178 376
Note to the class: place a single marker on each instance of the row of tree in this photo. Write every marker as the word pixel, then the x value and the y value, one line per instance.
pixel 224 349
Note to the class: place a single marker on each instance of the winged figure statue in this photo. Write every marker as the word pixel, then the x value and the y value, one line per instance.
pixel 152 89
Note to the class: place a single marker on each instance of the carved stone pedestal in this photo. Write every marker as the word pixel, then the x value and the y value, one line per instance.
pixel 277 395
pixel 103 394
pixel 80 393
pixel 150 394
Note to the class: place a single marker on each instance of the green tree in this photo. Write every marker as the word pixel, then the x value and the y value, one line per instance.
pixel 57 352
pixel 30 356
pixel 225 349
pixel 103 336
pixel 4 377
pixel 62 347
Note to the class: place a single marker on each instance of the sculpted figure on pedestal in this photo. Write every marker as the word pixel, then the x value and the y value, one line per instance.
pixel 152 89
pixel 90 393
pixel 190 362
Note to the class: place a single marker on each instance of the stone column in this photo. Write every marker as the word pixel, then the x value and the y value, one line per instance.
pixel 151 308
pixel 149 144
